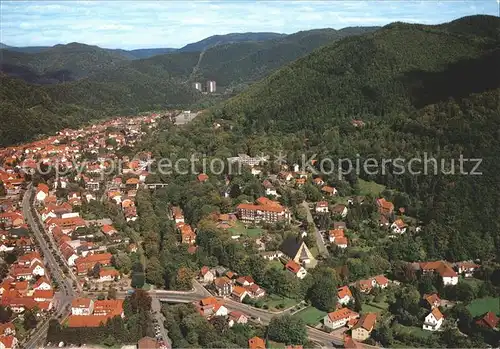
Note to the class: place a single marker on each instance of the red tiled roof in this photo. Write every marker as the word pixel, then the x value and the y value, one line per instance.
pixel 367 321
pixel 256 343
pixel 342 313
pixel 344 291
pixel 87 320
pixel 81 303
pixel 292 266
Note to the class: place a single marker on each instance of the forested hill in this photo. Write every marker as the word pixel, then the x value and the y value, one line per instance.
pixel 398 68
pixel 230 38
pixel 419 89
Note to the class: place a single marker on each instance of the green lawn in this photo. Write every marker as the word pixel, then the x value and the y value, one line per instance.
pixel 366 188
pixel 372 307
pixel 311 315
pixel 275 345
pixel 276 264
pixel 240 229
pixel 417 331
pixel 475 283
pixel 483 305
pixel 272 301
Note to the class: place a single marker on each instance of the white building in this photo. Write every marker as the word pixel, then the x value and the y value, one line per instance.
pixel 322 207
pixel 82 306
pixel 339 318
pixel 211 86
pixel 433 321
pixel 197 86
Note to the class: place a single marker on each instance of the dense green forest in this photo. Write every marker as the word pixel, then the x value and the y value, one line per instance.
pixel 113 85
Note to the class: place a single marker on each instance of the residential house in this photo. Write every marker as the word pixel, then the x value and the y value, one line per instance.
pixel 8 342
pixel 364 327
pixel 239 293
pixel 271 255
pixel 318 181
pixel 82 306
pixel 209 306
pixel 330 191
pixel 432 300
pixel 255 291
pixel 339 209
pixel 188 236
pixel 399 227
pixel 296 269
pixel 344 295
pixel 322 207
pixel 84 264
pixel 339 318
pixel 256 343
pixel 467 269
pixel 108 274
pixel 433 321
pixel 108 230
pixel 448 275
pixel 42 191
pixel 206 275
pixel 381 281
pixel 223 286
pixel 341 242
pixel 236 317
pixel 111 308
pixel 366 286
pixel 488 320
pixel 177 214
pixel 7 329
pixel 42 284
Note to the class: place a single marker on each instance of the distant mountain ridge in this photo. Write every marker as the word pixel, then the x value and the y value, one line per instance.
pixel 230 38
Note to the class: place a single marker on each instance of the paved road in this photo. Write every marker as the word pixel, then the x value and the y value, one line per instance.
pixel 319 239
pixel 66 292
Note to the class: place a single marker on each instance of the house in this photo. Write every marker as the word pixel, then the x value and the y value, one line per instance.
pixel 8 342
pixel 270 189
pixel 87 320
pixel 385 208
pixel 341 242
pixel 296 269
pixel 236 317
pixel 339 209
pixel 488 320
pixel 271 255
pixel 364 327
pixel 432 300
pixel 398 227
pixel 296 249
pixel 256 343
pixel 245 281
pixel 188 236
pixel 339 225
pixel 286 176
pixel 111 307
pixel 84 264
pixel 148 343
pixel 209 306
pixel 318 181
pixel 206 275
pixel 42 191
pixel 433 321
pixel 322 207
pixel 42 284
pixel 82 306
pixel 365 286
pixel 239 293
pixel 330 191
pixel 467 269
pixel 448 275
pixel 381 281
pixel 7 329
pixel 108 230
pixel 109 274
pixel 202 177
pixel 223 286
pixel 339 318
pixel 255 291
pixel 344 295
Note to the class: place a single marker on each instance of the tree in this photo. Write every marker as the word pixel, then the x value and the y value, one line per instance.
pixel 383 334
pixel 287 329
pixel 137 302
pixel 235 191
pixel 323 294
pixel 5 314
pixel 155 272
pixel 122 262
pixel 112 292
pixel 220 324
pixel 138 277
pixel 30 320
pixel 184 279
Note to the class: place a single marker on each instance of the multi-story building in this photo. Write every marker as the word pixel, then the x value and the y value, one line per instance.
pixel 197 86
pixel 211 86
pixel 264 211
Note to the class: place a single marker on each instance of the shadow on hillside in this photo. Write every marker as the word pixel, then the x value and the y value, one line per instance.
pixel 30 76
pixel 458 80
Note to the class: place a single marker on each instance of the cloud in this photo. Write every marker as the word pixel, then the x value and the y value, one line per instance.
pixel 135 24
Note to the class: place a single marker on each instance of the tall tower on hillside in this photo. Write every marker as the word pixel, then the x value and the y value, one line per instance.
pixel 197 86
pixel 210 86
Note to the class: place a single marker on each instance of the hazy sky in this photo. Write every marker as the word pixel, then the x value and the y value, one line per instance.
pixel 141 24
